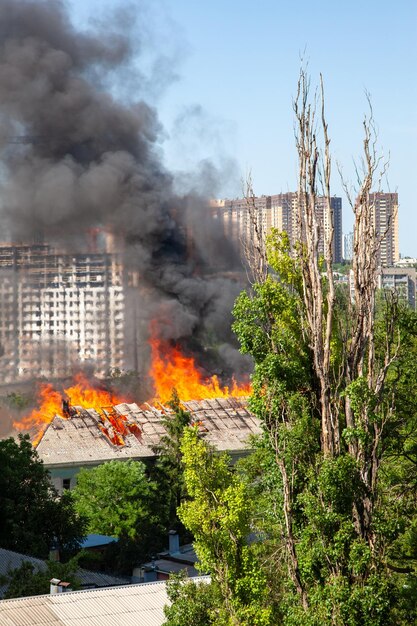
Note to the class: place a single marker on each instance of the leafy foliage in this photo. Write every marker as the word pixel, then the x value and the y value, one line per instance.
pixel 313 499
pixel 125 383
pixel 168 470
pixel 192 603
pixel 116 498
pixel 27 580
pixel 32 516
pixel 119 499
pixel 18 400
pixel 218 514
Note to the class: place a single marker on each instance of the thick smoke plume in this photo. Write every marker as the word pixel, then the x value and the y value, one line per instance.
pixel 74 157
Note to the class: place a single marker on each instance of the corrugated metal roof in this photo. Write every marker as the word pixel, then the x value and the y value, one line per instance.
pixel 134 605
pixel 225 422
pixel 12 560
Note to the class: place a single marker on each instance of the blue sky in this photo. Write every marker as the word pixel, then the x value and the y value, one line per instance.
pixel 227 73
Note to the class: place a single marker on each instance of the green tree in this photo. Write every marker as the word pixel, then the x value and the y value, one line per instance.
pixel 120 500
pixel 218 513
pixel 18 400
pixel 124 383
pixel 116 498
pixel 27 580
pixel 169 471
pixel 192 603
pixel 32 516
pixel 306 501
pixel 334 388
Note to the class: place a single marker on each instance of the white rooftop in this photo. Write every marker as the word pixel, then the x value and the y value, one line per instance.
pixel 133 605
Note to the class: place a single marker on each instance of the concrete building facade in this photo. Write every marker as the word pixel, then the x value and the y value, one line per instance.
pixel 385 211
pixel 278 211
pixel 58 310
pixel 400 280
pixel 348 247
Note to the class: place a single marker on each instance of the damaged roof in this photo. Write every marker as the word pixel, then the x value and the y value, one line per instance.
pixel 127 431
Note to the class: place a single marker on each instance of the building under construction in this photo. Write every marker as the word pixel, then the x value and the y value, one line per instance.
pixel 59 310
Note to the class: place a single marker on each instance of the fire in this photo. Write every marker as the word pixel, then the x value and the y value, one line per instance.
pixel 171 369
pixel 50 403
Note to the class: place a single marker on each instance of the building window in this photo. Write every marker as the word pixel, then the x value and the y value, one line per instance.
pixel 66 483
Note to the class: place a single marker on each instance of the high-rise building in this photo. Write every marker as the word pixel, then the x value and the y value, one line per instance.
pixel 279 211
pixel 236 220
pixel 58 310
pixel 385 211
pixel 324 224
pixel 348 247
pixel 284 213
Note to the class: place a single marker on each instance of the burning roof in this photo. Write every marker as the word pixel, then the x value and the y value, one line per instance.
pixel 126 431
pixel 85 423
pixel 118 421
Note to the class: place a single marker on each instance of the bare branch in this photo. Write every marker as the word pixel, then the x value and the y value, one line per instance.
pixel 254 238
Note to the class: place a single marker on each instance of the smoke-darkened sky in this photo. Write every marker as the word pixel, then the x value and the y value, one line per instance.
pixel 90 157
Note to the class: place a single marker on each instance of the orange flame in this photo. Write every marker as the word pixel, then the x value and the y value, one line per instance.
pixel 171 369
pixel 50 403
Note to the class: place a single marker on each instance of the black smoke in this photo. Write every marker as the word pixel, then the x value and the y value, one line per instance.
pixel 74 156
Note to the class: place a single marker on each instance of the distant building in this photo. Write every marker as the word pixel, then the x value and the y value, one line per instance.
pixel 278 211
pixel 57 310
pixel 172 561
pixel 406 262
pixel 385 212
pixel 400 280
pixel 234 215
pixel 324 225
pixel 348 247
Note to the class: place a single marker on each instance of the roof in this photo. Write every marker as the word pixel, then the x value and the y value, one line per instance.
pixel 168 566
pixel 169 562
pixel 86 438
pixel 186 554
pixel 13 560
pixel 133 605
pixel 95 541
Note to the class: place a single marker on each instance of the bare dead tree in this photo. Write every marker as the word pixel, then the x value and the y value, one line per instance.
pixel 253 240
pixel 319 318
pixel 360 359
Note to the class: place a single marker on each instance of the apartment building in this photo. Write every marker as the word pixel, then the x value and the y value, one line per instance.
pixel 325 225
pixel 234 215
pixel 385 211
pixel 58 310
pixel 348 247
pixel 278 211
pixel 400 280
